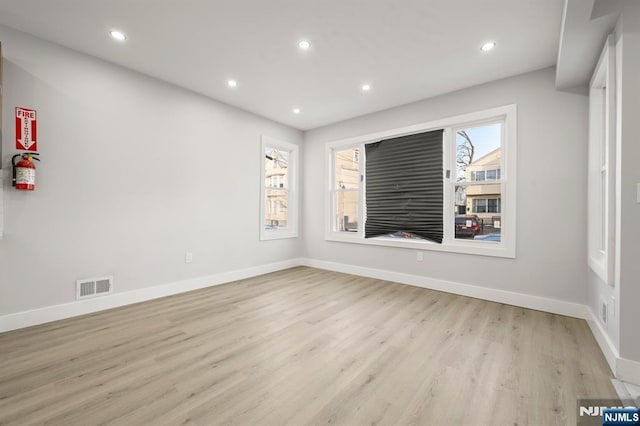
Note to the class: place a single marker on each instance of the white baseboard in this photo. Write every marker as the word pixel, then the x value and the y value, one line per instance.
pixel 606 345
pixel 628 371
pixel 57 312
pixel 538 303
pixel 624 369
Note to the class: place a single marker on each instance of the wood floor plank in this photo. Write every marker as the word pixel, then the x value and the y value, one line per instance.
pixel 303 346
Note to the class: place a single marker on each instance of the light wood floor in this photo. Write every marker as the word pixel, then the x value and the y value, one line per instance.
pixel 303 346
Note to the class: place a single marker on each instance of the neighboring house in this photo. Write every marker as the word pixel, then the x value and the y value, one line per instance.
pixel 484 198
pixel 348 181
pixel 277 193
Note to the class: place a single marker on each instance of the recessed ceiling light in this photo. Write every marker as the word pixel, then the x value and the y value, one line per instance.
pixel 488 46
pixel 117 35
pixel 304 44
pixel 366 87
pixel 296 110
pixel 232 83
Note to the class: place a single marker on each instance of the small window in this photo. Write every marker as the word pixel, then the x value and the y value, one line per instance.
pixel 278 192
pixel 346 189
pixel 479 187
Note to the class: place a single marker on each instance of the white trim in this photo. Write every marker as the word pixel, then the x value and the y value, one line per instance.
pixel 624 369
pixel 1 201
pixel 506 248
pixel 457 121
pixel 628 371
pixel 602 338
pixel 81 307
pixel 601 223
pixel 291 231
pixel 480 248
pixel 538 303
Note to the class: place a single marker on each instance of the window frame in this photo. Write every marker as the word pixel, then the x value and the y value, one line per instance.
pixel 474 205
pixel 334 190
pixel 291 230
pixel 507 115
pixel 601 224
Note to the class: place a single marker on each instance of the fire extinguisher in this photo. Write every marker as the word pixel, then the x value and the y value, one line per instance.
pixel 24 171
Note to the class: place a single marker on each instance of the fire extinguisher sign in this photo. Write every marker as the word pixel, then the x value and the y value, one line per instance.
pixel 26 129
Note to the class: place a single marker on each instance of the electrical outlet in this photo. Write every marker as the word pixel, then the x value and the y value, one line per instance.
pixel 419 256
pixel 188 257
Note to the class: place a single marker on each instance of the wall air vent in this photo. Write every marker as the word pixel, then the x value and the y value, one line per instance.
pixel 604 314
pixel 92 287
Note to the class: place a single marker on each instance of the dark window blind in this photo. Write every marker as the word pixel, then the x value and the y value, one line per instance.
pixel 404 178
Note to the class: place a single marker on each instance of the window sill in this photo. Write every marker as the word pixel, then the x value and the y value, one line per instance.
pixel 277 235
pixel 479 248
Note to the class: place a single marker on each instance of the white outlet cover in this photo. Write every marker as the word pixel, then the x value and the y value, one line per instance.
pixel 419 256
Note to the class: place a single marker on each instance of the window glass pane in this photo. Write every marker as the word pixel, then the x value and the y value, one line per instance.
pixel 478 153
pixel 346 211
pixel 276 174
pixel 477 208
pixel 478 212
pixel 479 205
pixel 346 166
pixel 276 168
pixel 275 209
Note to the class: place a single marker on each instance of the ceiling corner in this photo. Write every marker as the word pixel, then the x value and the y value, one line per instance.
pixel 585 27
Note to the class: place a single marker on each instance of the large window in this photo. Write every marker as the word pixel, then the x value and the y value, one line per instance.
pixel 447 185
pixel 278 212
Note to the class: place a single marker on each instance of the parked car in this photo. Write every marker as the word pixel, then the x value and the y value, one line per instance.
pixel 467 226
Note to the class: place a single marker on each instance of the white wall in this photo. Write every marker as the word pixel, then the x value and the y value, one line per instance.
pixel 629 177
pixel 551 187
pixel 623 329
pixel 134 173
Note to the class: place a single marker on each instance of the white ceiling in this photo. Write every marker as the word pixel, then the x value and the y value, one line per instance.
pixel 585 26
pixel 406 49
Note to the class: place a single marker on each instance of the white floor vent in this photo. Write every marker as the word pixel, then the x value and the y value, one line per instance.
pixel 93 287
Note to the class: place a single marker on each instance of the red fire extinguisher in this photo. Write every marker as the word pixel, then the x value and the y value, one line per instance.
pixel 24 171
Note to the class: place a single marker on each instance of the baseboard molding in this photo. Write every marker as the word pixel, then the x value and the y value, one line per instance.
pixel 623 369
pixel 628 371
pixel 538 303
pixel 81 307
pixel 606 345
